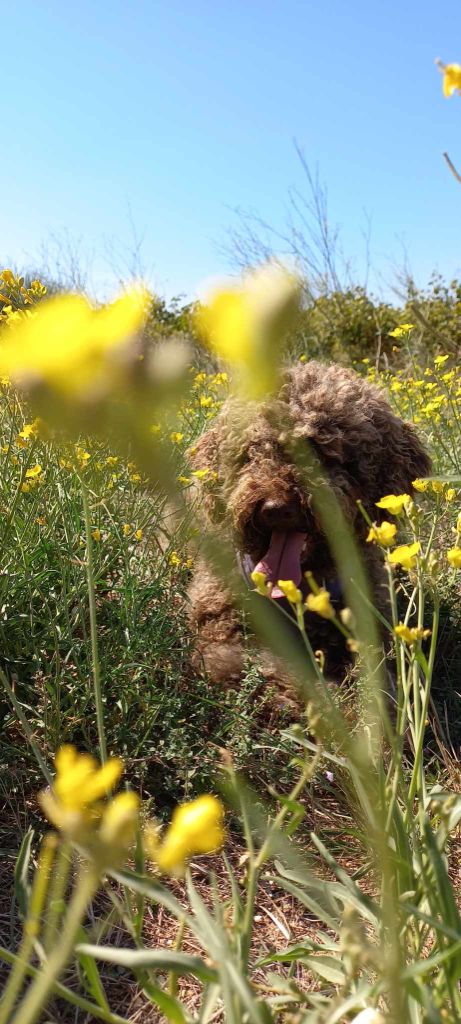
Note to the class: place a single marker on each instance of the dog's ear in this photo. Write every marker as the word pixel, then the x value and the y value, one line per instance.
pixel 203 457
pixel 203 454
pixel 403 458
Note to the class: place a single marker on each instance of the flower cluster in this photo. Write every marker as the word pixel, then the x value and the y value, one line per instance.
pixel 104 827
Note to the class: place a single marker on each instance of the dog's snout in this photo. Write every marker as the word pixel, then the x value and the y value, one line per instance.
pixel 275 512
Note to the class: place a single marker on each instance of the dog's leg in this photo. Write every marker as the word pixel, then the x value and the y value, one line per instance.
pixel 217 627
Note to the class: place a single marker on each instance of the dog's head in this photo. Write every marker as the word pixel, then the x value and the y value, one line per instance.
pixel 266 460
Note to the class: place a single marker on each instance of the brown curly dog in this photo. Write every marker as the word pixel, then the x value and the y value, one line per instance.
pixel 254 489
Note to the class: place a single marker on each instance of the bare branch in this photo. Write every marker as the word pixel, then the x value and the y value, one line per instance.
pixel 452 168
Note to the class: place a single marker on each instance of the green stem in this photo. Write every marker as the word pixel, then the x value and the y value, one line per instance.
pixel 66 993
pixel 417 773
pixel 257 863
pixel 31 927
pixel 93 627
pixel 25 725
pixel 38 993
pixel 56 896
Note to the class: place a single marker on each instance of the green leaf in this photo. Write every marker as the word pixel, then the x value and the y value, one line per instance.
pixel 156 892
pixel 161 959
pixel 328 912
pixel 326 967
pixel 21 873
pixel 90 970
pixel 168 1004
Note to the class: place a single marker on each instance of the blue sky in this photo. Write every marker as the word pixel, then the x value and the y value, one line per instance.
pixel 169 115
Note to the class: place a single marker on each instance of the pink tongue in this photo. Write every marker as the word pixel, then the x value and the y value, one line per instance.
pixel 283 559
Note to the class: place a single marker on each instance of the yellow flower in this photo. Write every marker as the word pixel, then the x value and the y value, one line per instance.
pixel 201 474
pixel 244 324
pixel 96 534
pixel 78 785
pixel 384 534
pixel 127 529
pixel 451 78
pixel 155 428
pixel 450 494
pixel 410 634
pixel 420 485
pixel 400 332
pixel 439 361
pixel 394 503
pixel 437 486
pixel 458 523
pixel 405 555
pixel 184 480
pixel 176 437
pixel 320 604
pixel 205 401
pixel 174 559
pixel 138 534
pixel 33 472
pixel 119 821
pixel 29 430
pixel 69 345
pixel 289 590
pixel 8 277
pixel 112 460
pixel 83 457
pixel 196 828
pixel 261 585
pixel 454 557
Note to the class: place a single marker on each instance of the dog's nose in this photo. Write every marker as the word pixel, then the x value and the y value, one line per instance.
pixel 280 513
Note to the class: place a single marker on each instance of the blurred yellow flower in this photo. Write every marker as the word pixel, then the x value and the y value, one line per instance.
pixel 400 332
pixel 410 634
pixel 458 523
pixel 439 361
pixel 174 559
pixel 78 785
pixel 289 590
pixel 127 529
pixel 383 534
pixel 119 821
pixel 196 828
pixel 451 78
pixel 261 584
pixel 450 494
pixel 454 557
pixel 320 604
pixel 420 485
pixel 405 555
pixel 394 503
pixel 8 277
pixel 71 346
pixel 96 534
pixel 138 534
pixel 245 324
pixel 29 430
pixel 437 486
pixel 200 474
pixel 176 437
pixel 33 472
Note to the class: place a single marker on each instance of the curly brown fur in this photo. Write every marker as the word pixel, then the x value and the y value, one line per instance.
pixel 255 488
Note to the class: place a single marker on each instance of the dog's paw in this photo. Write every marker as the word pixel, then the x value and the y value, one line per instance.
pixel 223 663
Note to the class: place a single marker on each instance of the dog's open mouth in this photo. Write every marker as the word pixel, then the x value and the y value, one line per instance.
pixel 282 560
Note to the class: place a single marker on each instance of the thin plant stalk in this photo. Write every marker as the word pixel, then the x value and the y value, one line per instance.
pixel 96 665
pixel 38 993
pixel 31 927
